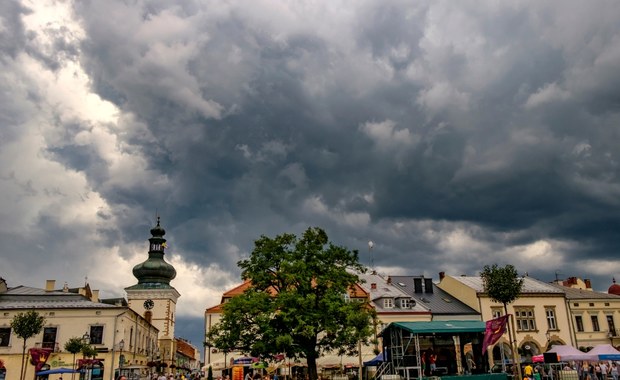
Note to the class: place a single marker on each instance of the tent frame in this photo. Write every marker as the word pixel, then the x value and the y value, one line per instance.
pixel 402 336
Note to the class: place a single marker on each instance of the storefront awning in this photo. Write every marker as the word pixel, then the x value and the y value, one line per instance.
pixel 439 327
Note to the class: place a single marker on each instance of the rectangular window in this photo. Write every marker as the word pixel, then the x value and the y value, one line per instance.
pixel 525 319
pixel 5 336
pixel 611 325
pixel 551 322
pixel 496 312
pixel 579 323
pixel 404 303
pixel 388 303
pixel 595 326
pixel 96 334
pixel 49 337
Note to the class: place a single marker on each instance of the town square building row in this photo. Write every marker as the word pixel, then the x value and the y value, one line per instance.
pixel 564 312
pixel 133 335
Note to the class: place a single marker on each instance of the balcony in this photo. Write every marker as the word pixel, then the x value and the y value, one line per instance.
pixel 54 346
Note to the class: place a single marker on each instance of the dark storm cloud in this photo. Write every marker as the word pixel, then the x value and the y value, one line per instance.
pixel 452 135
pixel 465 115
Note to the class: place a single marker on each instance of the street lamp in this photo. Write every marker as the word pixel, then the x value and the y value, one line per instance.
pixel 121 357
pixel 548 336
pixel 86 341
pixel 610 336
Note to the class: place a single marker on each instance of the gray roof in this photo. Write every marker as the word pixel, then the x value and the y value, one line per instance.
pixel 530 285
pixel 24 297
pixel 386 290
pixel 572 293
pixel 439 302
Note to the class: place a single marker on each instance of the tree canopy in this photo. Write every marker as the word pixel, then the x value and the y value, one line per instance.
pixel 297 303
pixel 503 285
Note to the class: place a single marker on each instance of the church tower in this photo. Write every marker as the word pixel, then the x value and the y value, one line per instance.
pixel 153 297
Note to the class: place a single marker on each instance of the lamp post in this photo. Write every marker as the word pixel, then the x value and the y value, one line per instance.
pixel 610 336
pixel 121 357
pixel 548 336
pixel 86 341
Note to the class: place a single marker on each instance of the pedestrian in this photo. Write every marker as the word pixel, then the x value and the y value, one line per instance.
pixel 614 371
pixel 604 370
pixel 432 360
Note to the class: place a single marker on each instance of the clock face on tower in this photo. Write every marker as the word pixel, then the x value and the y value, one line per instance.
pixel 148 304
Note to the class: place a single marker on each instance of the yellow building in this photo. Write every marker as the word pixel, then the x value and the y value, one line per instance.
pixel 540 314
pixel 594 315
pixel 131 335
pixel 119 334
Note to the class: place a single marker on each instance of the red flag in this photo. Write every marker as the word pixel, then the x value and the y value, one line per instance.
pixel 38 357
pixel 494 330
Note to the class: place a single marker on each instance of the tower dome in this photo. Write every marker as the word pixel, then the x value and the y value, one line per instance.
pixel 155 272
pixel 614 288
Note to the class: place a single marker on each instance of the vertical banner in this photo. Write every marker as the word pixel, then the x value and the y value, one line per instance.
pixel 38 357
pixel 495 328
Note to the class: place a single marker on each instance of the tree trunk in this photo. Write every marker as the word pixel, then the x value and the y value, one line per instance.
pixel 21 373
pixel 312 372
pixel 513 344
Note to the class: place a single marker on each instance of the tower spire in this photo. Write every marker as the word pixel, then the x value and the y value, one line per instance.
pixel 155 272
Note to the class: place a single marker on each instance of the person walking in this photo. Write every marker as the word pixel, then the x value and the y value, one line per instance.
pixel 614 371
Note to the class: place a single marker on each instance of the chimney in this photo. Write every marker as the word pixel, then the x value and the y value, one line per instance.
pixel 389 280
pixel 428 285
pixel 417 285
pixel 588 283
pixel 442 275
pixel 95 297
pixel 49 285
pixel 373 286
pixel 3 286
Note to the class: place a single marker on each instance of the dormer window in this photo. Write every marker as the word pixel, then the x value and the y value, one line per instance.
pixel 405 303
pixel 388 303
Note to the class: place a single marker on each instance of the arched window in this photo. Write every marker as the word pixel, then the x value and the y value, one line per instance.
pixel 502 352
pixel 529 349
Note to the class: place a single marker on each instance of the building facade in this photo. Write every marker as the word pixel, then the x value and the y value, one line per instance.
pixel 133 335
pixel 595 316
pixel 116 332
pixel 540 314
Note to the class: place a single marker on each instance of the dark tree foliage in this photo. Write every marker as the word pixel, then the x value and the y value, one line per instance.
pixel 503 285
pixel 26 325
pixel 296 305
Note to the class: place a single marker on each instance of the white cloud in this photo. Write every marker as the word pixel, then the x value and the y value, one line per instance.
pixel 550 93
pixel 387 137
pixel 442 96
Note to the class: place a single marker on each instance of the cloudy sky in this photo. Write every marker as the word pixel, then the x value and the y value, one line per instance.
pixel 451 134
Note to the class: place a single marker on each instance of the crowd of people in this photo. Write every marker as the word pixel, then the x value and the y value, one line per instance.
pixel 599 370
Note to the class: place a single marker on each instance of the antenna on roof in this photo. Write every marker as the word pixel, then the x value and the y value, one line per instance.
pixel 372 261
pixel 557 278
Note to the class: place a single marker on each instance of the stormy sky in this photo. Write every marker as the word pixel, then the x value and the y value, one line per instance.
pixel 452 134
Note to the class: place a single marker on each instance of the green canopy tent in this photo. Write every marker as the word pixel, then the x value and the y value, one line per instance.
pixel 406 342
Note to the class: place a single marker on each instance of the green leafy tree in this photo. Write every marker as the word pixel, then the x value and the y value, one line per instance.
pixel 503 285
pixel 74 345
pixel 297 302
pixel 26 325
pixel 88 351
